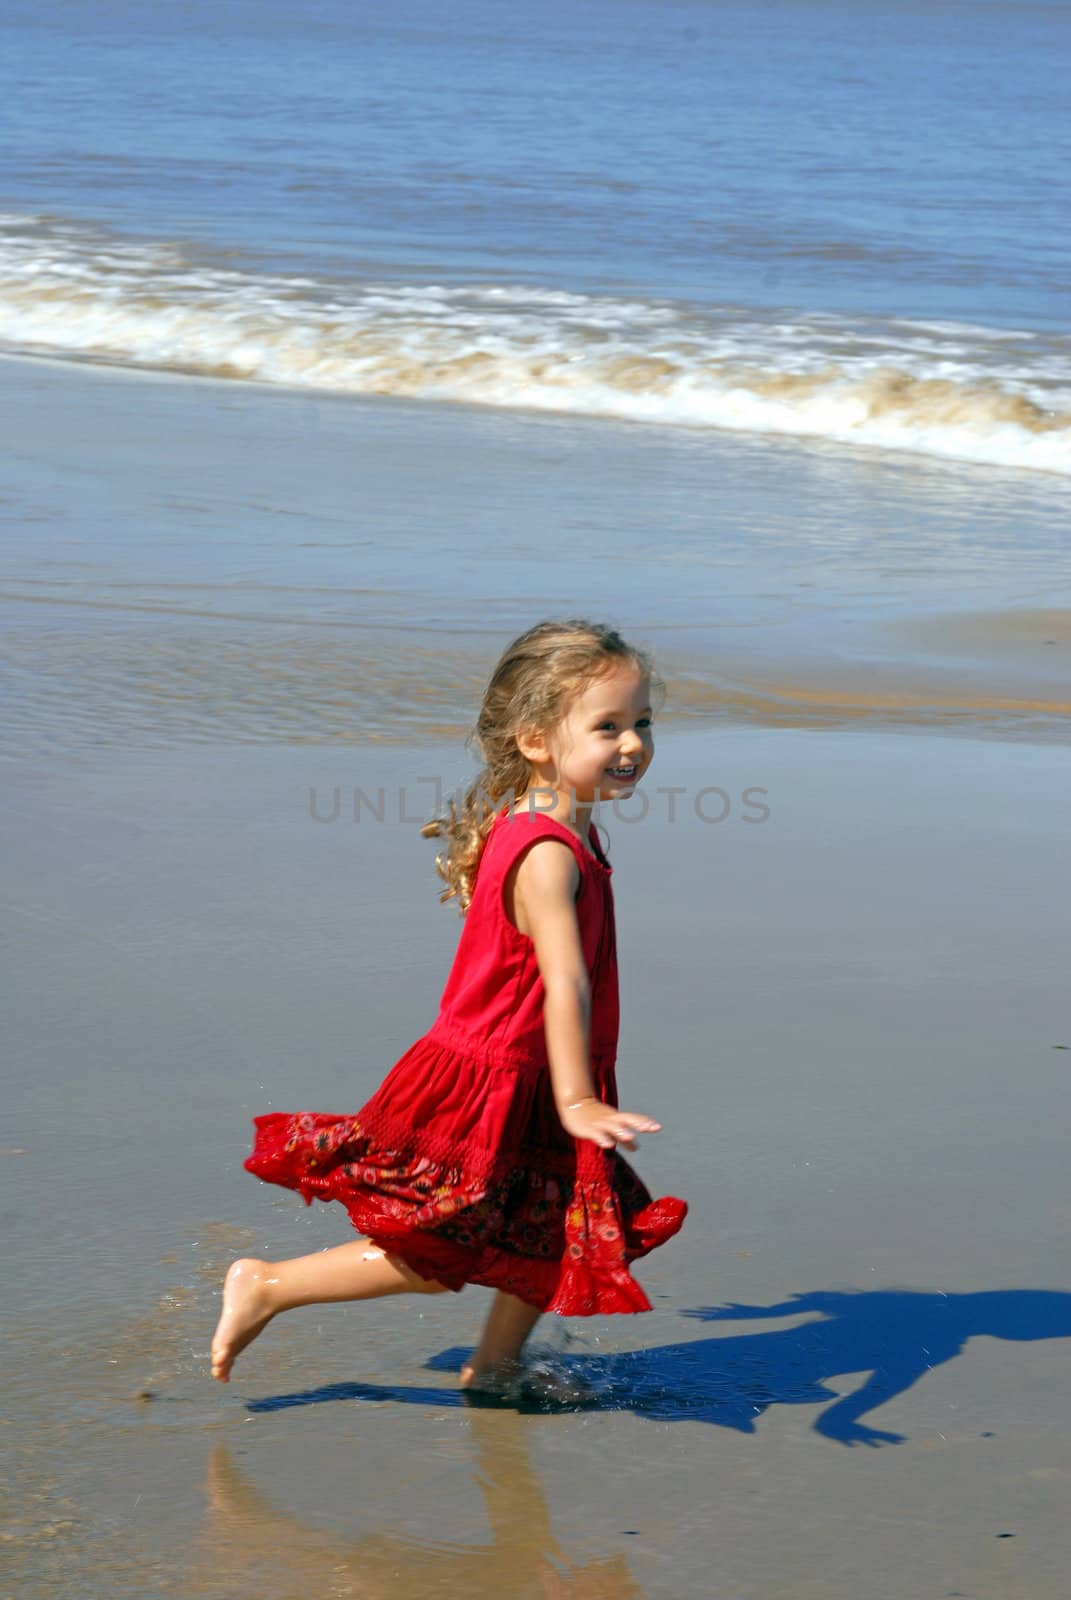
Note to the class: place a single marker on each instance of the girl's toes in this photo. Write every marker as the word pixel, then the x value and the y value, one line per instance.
pixel 245 1313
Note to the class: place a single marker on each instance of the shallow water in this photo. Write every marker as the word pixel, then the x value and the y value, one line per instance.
pixel 191 562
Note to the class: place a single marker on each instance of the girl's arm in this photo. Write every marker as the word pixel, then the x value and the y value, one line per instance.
pixel 544 901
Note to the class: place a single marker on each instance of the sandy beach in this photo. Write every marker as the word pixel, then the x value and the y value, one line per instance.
pixel 237 626
pixel 850 1017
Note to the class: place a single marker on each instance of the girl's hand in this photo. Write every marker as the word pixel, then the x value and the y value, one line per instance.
pixel 605 1126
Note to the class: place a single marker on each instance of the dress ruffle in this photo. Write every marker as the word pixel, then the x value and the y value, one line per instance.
pixel 478 1183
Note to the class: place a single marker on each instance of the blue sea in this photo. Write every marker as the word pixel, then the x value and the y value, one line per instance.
pixel 831 219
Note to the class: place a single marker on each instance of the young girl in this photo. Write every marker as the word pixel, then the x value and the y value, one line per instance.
pixel 489 1153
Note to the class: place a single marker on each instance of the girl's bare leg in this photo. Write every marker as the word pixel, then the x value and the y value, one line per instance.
pixel 255 1291
pixel 497 1358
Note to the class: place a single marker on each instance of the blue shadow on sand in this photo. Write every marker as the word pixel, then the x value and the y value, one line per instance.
pixel 893 1336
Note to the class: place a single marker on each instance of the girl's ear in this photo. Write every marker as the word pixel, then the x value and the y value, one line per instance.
pixel 532 744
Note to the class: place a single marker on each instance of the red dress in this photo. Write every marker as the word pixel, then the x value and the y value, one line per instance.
pixel 459 1164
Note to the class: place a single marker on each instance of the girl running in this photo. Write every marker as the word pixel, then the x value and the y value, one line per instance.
pixel 490 1154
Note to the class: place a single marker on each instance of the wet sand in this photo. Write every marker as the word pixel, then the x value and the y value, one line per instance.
pixel 851 1018
pixel 987 633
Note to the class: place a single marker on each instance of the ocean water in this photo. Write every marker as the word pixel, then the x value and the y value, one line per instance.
pixel 825 218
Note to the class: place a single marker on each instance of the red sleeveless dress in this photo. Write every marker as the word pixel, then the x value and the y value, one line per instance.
pixel 459 1163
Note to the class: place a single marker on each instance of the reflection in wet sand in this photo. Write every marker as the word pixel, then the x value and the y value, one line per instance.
pixel 250 1546
pixel 1024 633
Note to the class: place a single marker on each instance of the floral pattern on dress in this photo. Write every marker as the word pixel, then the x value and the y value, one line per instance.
pixel 558 1244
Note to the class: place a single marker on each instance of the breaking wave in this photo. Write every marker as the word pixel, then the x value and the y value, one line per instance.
pixel 988 395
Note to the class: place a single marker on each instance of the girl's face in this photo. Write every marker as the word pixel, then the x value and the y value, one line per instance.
pixel 605 743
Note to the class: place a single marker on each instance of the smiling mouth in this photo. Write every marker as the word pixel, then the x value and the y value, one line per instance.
pixel 623 772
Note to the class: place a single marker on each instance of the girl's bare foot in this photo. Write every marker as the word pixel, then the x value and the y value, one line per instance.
pixel 513 1380
pixel 497 1379
pixel 247 1309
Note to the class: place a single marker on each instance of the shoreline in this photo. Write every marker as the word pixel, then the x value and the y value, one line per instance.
pixel 881 443
pixel 257 571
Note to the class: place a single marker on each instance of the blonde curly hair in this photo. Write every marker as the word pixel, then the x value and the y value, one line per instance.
pixel 535 682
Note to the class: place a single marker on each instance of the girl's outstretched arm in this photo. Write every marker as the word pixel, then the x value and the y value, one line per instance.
pixel 545 887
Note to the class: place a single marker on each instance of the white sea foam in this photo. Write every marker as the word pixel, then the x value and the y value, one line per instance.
pixel 993 396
